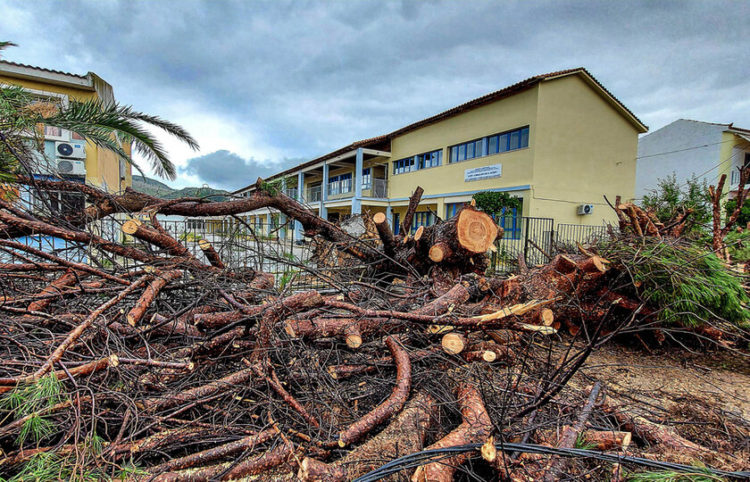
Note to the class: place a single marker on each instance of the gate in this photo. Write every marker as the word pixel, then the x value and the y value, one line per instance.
pixel 529 237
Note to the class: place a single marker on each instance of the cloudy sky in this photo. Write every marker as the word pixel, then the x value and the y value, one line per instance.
pixel 264 84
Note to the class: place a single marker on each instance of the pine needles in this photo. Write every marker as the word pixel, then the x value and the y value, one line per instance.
pixel 690 286
pixel 28 401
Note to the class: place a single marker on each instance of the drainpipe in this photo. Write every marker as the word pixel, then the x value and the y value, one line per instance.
pixel 357 199
pixel 324 192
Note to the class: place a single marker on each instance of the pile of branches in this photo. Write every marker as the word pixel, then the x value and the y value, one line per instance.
pixel 162 365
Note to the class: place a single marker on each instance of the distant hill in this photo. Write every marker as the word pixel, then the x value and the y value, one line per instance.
pixel 150 186
pixel 201 192
pixel 158 189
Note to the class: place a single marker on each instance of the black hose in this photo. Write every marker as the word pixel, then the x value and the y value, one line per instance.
pixel 420 458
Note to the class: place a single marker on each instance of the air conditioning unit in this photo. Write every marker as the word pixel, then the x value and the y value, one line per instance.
pixel 70 167
pixel 75 150
pixel 586 209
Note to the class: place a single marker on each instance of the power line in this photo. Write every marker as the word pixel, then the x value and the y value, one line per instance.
pixel 683 150
pixel 427 456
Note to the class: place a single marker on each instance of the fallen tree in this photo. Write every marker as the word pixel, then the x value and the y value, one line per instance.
pixel 195 369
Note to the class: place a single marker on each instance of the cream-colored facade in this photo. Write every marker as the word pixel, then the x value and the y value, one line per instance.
pixel 567 142
pixel 689 149
pixel 103 168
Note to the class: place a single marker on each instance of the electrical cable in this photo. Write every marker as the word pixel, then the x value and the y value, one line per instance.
pixel 420 458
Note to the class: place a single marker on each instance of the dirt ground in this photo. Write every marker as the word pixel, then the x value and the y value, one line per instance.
pixel 705 396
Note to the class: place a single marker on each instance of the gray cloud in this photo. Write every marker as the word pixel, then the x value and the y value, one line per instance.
pixel 226 170
pixel 303 78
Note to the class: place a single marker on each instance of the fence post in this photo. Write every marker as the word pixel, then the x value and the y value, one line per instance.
pixel 526 242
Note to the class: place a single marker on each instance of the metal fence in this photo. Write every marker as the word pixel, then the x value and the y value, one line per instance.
pixel 570 234
pixel 277 249
pixel 528 237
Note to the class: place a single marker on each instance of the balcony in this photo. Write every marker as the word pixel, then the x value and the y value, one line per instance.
pixel 379 188
pixel 314 194
pixel 340 189
pixel 291 192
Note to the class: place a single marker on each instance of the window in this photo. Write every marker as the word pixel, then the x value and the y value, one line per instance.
pixel 508 141
pixel 366 178
pixel 196 224
pixel 421 219
pixel 467 150
pixel 346 182
pixel 340 184
pixel 430 159
pixel 404 165
pixel 333 185
pixel 396 223
pixel 510 221
pixel 452 209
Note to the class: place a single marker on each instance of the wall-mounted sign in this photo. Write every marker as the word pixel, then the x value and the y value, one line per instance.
pixel 486 172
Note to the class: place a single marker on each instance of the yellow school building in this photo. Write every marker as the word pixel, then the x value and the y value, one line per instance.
pixel 67 154
pixel 559 142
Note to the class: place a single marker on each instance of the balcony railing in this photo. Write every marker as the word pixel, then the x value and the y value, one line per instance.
pixel 340 187
pixel 379 188
pixel 291 192
pixel 313 194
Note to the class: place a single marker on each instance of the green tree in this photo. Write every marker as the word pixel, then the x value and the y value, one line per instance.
pixel 107 125
pixel 493 202
pixel 670 199
pixel 744 216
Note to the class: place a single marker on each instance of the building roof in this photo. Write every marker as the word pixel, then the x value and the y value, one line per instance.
pixel 473 104
pixel 58 77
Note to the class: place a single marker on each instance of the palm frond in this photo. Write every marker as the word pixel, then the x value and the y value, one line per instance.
pixel 111 125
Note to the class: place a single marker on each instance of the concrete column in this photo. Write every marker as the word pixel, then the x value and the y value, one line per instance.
pixel 440 207
pixel 389 215
pixel 357 199
pixel 300 188
pixel 324 192
pixel 282 217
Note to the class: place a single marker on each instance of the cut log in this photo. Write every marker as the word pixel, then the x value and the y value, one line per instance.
pixel 453 343
pixel 391 405
pixel 475 428
pixel 545 317
pixel 405 435
pixel 439 252
pixel 211 255
pixel 69 278
pixel 150 294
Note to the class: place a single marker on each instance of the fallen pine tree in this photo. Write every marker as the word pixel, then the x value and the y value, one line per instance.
pixel 177 367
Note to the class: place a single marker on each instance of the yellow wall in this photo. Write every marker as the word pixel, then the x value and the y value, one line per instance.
pixel 102 166
pixel 507 114
pixel 584 149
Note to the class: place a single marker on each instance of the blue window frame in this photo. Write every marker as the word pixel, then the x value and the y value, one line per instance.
pixel 452 209
pixel 508 141
pixel 406 164
pixel 345 182
pixel 467 150
pixel 396 223
pixel 430 159
pixel 366 178
pixel 340 184
pixel 333 185
pixel 421 219
pixel 510 221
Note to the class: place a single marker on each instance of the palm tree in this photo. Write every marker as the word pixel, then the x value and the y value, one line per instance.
pixel 105 124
